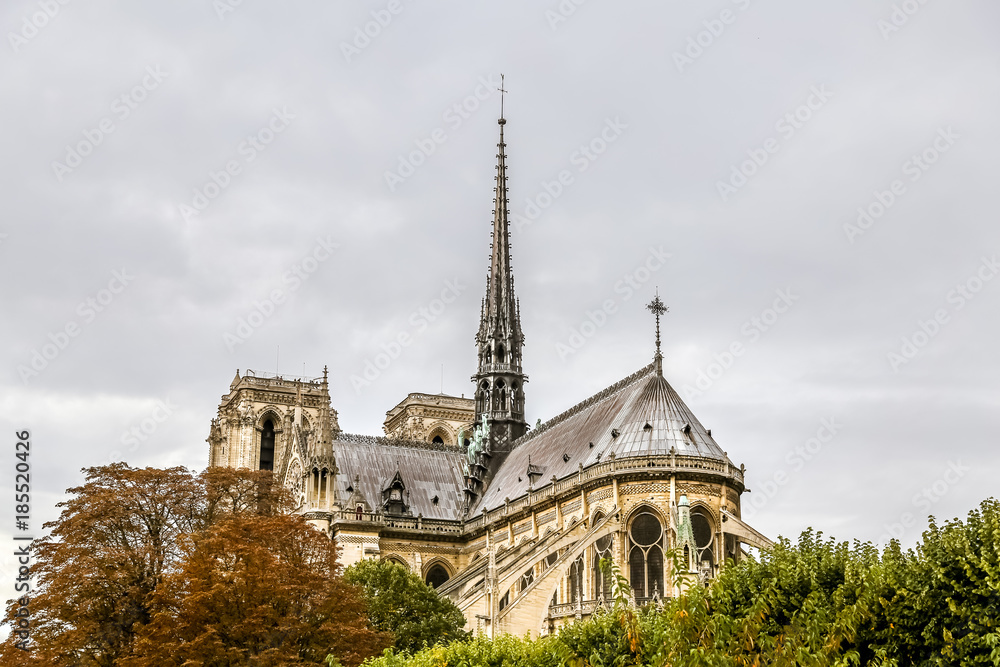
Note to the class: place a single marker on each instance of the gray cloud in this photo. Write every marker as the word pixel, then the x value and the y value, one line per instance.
pixel 324 176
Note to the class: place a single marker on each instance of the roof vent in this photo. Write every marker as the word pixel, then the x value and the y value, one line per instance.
pixel 614 433
pixel 565 457
pixel 647 427
pixel 350 489
pixel 435 500
pixel 687 428
pixel 708 432
pixel 591 445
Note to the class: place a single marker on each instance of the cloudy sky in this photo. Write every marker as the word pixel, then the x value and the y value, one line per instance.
pixel 808 184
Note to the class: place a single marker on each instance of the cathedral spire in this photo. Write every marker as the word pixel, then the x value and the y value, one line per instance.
pixel 500 378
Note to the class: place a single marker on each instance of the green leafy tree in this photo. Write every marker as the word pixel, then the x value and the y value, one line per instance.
pixel 815 602
pixel 400 602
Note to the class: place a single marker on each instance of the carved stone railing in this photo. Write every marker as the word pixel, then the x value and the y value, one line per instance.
pixel 398 522
pixel 587 607
pixel 663 464
pixel 384 441
pixel 497 367
pixel 271 380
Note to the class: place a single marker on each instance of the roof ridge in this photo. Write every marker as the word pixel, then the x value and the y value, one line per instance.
pixel 586 403
pixel 359 439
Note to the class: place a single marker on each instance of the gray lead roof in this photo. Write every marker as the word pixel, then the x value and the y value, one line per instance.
pixel 648 415
pixel 426 472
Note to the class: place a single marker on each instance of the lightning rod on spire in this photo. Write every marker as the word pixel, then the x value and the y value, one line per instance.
pixel 502 91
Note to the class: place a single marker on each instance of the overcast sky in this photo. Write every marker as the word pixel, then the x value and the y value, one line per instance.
pixel 718 151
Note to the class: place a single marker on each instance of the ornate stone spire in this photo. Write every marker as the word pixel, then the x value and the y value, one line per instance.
pixel 500 378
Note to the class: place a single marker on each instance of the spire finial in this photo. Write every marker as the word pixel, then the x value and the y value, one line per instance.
pixel 657 308
pixel 502 91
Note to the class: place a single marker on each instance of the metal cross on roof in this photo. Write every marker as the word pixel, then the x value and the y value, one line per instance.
pixel 657 308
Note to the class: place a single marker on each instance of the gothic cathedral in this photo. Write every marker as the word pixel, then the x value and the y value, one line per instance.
pixel 509 522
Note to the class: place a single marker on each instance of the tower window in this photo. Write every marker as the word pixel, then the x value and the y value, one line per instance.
pixel 501 355
pixel 267 446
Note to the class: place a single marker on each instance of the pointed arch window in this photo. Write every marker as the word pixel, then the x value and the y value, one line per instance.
pixel 437 575
pixel 602 579
pixel 704 538
pixel 501 354
pixel 645 556
pixel 576 580
pixel 267 446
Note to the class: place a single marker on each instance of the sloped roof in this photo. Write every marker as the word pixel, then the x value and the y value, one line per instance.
pixel 648 416
pixel 427 470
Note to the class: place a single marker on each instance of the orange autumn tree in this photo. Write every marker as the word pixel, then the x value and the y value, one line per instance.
pixel 94 574
pixel 119 538
pixel 261 590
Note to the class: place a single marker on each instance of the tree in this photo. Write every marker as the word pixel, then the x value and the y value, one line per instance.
pixel 816 602
pixel 118 538
pixel 108 551
pixel 400 602
pixel 257 590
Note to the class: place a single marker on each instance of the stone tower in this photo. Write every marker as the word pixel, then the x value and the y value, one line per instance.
pixel 500 378
pixel 282 424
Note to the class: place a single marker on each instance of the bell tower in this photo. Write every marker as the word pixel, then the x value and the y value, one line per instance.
pixel 499 379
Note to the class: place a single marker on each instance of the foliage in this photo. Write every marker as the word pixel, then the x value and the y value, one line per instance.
pixel 816 602
pixel 504 651
pixel 259 590
pixel 401 603
pixel 110 565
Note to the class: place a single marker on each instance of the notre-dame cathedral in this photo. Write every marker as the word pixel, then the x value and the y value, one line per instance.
pixel 509 522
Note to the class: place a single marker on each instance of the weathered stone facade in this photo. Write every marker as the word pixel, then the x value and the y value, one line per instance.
pixel 431 417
